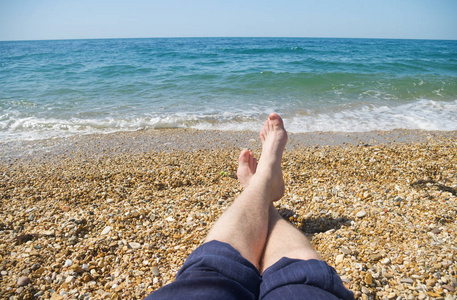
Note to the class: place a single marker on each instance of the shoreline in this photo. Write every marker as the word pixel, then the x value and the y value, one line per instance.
pixel 143 141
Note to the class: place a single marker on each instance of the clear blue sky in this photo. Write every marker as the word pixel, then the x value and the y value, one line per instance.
pixel 76 19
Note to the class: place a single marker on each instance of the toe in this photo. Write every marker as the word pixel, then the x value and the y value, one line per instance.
pixel 252 162
pixel 275 120
pixel 244 157
pixel 254 165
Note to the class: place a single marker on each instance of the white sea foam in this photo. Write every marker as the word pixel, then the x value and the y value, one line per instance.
pixel 421 114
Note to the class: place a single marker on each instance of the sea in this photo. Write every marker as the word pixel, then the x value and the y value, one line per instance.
pixel 60 88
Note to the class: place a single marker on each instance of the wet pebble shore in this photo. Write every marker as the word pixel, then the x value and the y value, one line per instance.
pixel 118 224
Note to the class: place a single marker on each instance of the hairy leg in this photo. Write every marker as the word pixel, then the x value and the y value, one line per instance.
pixel 244 225
pixel 283 240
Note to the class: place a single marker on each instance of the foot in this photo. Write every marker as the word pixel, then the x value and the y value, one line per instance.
pixel 274 139
pixel 247 165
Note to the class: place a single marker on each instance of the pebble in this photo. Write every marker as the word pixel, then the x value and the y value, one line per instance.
pixel 339 258
pixel 76 268
pixel 430 282
pixel 165 203
pixel 407 280
pixel 387 275
pixel 86 278
pixel 345 250
pixel 85 267
pixel 38 294
pixel 448 287
pixel 106 230
pixel 70 279
pixel 361 214
pixel 385 261
pixel 391 296
pixel 68 263
pixel 436 231
pixel 23 281
pixel 56 296
pixel 375 257
pixel 345 279
pixel 155 271
pixel 48 232
pixel 133 245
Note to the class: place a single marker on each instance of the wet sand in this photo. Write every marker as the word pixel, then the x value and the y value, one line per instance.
pixel 138 142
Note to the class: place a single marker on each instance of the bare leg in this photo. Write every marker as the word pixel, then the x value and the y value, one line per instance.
pixel 283 240
pixel 244 225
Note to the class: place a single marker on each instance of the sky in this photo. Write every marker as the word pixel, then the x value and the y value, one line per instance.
pixel 87 19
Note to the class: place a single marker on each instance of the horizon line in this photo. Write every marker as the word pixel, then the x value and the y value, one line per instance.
pixel 219 37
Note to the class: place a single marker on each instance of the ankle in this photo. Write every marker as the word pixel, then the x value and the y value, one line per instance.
pixel 270 186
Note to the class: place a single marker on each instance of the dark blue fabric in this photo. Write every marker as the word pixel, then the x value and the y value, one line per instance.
pixel 302 279
pixel 216 270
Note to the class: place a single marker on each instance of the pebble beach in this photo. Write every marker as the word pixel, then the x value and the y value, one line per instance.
pixel 114 216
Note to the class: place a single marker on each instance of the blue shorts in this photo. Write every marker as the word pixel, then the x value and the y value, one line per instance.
pixel 216 270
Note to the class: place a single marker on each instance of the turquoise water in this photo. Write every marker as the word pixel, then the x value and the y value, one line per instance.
pixel 59 88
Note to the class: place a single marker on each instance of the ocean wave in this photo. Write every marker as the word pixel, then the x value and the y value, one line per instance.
pixel 421 114
pixel 60 88
pixel 349 86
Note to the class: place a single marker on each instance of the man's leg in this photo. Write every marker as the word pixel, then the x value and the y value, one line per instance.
pixel 291 267
pixel 284 240
pixel 227 265
pixel 244 225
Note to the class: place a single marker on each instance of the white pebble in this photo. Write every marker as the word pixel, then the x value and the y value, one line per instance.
pixel 385 261
pixel 85 267
pixel 361 214
pixel 69 279
pixel 339 259
pixel 106 230
pixel 134 245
